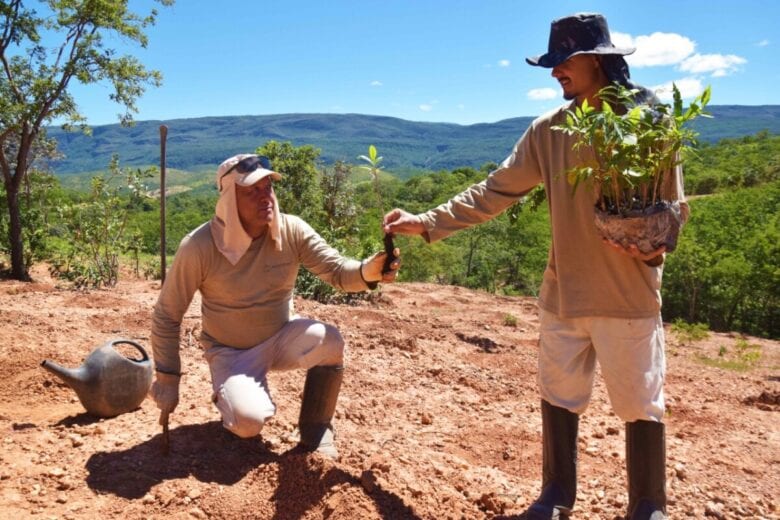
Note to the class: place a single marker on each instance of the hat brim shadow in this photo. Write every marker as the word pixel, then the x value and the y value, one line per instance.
pixel 553 59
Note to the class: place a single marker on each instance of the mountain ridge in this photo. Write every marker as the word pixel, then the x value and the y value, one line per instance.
pixel 200 143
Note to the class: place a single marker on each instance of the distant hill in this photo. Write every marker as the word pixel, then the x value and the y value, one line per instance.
pixel 201 143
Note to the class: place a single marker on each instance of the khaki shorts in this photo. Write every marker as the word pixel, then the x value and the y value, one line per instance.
pixel 630 353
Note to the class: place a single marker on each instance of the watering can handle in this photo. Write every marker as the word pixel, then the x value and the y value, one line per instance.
pixel 133 343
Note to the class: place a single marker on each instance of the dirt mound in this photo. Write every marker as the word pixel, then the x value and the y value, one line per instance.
pixel 438 418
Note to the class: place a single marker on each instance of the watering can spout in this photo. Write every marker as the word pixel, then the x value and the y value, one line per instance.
pixel 108 383
pixel 73 377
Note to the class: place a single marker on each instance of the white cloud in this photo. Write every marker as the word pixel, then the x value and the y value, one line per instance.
pixel 717 64
pixel 622 39
pixel 504 63
pixel 425 107
pixel 655 50
pixel 541 94
pixel 376 83
pixel 763 43
pixel 688 87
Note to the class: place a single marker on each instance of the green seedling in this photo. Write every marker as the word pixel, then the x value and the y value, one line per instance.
pixel 636 145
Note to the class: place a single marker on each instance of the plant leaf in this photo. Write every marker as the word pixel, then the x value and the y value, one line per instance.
pixel 678 106
pixel 635 114
pixel 706 95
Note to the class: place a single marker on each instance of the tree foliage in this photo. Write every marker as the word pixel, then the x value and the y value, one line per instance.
pixel 733 163
pixel 299 191
pixel 40 196
pixel 726 270
pixel 41 54
pixel 96 232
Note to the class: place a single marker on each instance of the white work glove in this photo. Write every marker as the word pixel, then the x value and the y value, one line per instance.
pixel 165 392
pixel 371 268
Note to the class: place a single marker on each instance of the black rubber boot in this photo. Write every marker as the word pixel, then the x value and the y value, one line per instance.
pixel 320 393
pixel 646 465
pixel 559 464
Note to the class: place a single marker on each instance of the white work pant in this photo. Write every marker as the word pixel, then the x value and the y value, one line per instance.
pixel 629 351
pixel 238 376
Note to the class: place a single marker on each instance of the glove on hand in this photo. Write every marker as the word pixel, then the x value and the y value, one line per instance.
pixel 165 392
pixel 371 270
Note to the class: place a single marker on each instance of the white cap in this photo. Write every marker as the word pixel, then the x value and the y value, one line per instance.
pixel 244 179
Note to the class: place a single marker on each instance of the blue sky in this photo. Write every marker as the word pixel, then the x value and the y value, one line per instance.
pixel 456 61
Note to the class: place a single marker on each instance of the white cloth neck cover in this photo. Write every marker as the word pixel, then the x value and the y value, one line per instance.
pixel 227 231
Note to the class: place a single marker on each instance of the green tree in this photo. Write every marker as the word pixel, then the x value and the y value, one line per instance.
pixel 338 202
pixel 299 191
pixel 725 271
pixel 40 196
pixel 35 79
pixel 733 163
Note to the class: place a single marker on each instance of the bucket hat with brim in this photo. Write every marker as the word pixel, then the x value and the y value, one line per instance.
pixel 581 33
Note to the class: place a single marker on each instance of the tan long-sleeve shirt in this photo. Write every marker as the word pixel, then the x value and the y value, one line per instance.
pixel 584 277
pixel 245 304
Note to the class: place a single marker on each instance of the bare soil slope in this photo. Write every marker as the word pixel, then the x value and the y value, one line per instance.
pixel 438 418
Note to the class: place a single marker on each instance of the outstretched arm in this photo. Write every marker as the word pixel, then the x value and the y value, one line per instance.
pixel 517 175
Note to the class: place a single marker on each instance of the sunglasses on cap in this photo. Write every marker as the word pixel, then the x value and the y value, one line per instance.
pixel 247 165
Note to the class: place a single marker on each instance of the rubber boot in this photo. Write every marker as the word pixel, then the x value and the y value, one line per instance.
pixel 320 393
pixel 559 464
pixel 646 465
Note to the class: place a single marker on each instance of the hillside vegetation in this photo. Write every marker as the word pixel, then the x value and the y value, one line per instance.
pixel 724 273
pixel 409 147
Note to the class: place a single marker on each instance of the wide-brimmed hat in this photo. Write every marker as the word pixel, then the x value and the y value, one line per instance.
pixel 581 33
pixel 247 170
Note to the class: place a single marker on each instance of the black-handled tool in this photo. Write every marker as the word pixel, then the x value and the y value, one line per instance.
pixel 390 253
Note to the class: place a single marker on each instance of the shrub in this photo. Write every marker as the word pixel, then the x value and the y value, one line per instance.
pixel 687 333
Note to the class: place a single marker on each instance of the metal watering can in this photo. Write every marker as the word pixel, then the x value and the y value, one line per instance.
pixel 108 383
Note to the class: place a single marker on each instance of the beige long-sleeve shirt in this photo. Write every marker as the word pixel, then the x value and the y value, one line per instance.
pixel 245 304
pixel 584 277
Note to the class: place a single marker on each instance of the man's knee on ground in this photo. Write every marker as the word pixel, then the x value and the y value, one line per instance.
pixel 244 405
pixel 247 423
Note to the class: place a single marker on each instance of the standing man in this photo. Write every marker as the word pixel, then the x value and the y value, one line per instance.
pixel 598 301
pixel 245 261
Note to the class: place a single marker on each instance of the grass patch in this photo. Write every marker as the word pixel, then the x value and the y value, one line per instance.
pixel 741 358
